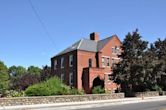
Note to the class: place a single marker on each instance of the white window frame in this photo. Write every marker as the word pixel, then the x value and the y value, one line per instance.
pixel 104 64
pixel 103 61
pixel 113 50
pixel 70 60
pixel 62 77
pixel 113 61
pixel 71 79
pixel 108 61
pixel 55 64
pixel 62 62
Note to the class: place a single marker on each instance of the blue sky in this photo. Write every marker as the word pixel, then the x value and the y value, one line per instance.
pixel 23 41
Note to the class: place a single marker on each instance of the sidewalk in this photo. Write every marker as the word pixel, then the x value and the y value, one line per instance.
pixel 87 104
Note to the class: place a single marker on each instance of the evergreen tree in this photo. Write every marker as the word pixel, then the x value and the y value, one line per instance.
pixel 130 71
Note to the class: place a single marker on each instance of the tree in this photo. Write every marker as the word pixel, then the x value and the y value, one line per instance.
pixel 17 71
pixel 46 73
pixel 151 65
pixel 130 71
pixel 4 77
pixel 160 46
pixel 25 81
pixel 34 70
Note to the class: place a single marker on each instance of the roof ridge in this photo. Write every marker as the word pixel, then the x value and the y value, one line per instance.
pixel 80 42
pixel 105 38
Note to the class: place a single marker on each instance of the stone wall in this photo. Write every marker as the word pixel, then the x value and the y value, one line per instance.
pixel 58 99
pixel 147 94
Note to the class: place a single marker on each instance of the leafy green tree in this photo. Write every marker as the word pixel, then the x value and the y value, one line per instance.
pixel 17 71
pixel 4 77
pixel 130 71
pixel 34 70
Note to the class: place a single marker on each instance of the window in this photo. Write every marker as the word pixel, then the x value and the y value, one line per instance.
pixel 115 50
pixel 113 62
pixel 62 62
pixel 62 77
pixel 103 61
pixel 71 79
pixel 108 61
pixel 55 64
pixel 90 62
pixel 71 60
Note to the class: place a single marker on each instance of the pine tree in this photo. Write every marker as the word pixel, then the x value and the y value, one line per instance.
pixel 130 70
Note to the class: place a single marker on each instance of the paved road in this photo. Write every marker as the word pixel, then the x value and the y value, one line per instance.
pixel 157 105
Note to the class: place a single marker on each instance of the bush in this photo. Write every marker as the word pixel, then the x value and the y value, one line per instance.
pixel 38 90
pixel 14 93
pixel 98 90
pixel 52 86
pixel 74 91
pixel 157 88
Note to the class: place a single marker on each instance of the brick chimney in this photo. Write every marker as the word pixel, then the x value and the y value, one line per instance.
pixel 94 36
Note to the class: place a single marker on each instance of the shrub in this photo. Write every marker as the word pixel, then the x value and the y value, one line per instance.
pixel 98 90
pixel 52 86
pixel 38 90
pixel 74 91
pixel 14 93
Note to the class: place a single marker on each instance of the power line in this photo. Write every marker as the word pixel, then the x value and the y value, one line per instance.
pixel 42 23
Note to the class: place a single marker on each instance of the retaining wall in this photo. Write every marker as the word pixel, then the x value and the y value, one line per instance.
pixel 57 99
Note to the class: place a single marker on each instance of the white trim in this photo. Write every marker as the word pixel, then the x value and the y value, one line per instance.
pixel 71 60
pixel 79 44
pixel 116 58
pixel 108 73
pixel 62 62
pixel 62 77
pixel 105 56
pixel 55 64
pixel 71 78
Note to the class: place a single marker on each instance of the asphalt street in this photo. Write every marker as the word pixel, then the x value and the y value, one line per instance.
pixel 156 105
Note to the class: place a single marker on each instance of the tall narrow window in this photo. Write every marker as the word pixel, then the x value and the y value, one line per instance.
pixel 90 62
pixel 62 77
pixel 113 49
pixel 103 61
pixel 108 61
pixel 113 62
pixel 71 60
pixel 71 79
pixel 55 64
pixel 62 62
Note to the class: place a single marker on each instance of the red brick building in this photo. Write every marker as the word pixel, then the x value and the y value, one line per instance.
pixel 88 63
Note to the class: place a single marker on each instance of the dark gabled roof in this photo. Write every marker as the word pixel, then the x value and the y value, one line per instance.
pixel 102 43
pixel 87 45
pixel 71 48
